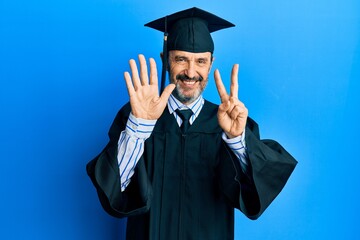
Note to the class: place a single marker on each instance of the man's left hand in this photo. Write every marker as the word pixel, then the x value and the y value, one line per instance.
pixel 232 113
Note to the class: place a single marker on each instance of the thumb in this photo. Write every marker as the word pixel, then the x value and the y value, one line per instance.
pixel 167 91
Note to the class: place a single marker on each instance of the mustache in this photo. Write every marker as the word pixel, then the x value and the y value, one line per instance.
pixel 182 77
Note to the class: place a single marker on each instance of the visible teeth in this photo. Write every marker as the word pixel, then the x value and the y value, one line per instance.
pixel 189 82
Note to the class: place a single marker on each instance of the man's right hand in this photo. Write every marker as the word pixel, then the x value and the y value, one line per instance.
pixel 144 91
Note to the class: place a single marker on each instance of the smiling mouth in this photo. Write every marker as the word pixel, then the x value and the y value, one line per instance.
pixel 189 82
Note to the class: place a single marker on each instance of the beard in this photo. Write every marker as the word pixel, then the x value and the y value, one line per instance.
pixel 179 91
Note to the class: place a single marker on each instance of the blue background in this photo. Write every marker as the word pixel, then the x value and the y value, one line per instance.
pixel 61 74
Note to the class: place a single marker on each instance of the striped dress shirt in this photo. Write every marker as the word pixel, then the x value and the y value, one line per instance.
pixel 131 141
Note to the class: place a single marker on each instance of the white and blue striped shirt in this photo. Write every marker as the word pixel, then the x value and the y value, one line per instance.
pixel 131 141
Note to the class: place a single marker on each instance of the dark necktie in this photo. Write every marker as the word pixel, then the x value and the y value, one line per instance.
pixel 185 116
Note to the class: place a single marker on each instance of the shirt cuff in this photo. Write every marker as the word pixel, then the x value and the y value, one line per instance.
pixel 139 128
pixel 238 146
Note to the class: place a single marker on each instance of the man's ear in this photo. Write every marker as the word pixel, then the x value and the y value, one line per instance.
pixel 212 61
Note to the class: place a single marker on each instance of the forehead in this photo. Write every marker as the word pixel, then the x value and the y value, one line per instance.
pixel 190 55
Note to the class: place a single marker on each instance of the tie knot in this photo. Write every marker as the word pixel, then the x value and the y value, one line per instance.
pixel 184 114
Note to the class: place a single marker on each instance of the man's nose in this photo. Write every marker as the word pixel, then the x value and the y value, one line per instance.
pixel 190 70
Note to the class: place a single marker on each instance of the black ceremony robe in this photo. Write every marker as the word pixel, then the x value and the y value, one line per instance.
pixel 186 187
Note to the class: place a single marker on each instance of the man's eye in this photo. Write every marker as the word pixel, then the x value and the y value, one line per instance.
pixel 180 59
pixel 201 61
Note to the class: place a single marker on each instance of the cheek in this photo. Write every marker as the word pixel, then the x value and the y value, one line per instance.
pixel 172 75
pixel 204 74
pixel 203 83
pixel 175 70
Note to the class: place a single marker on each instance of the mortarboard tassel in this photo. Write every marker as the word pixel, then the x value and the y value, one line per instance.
pixel 164 58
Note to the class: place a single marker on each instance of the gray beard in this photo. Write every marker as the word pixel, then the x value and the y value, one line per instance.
pixel 186 99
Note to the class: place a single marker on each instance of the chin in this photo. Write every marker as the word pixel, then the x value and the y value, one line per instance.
pixel 186 99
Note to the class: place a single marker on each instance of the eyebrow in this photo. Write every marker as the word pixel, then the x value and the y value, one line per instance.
pixel 186 58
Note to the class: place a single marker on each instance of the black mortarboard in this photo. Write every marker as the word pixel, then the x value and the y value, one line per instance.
pixel 188 30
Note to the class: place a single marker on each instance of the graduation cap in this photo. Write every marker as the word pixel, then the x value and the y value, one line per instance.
pixel 188 30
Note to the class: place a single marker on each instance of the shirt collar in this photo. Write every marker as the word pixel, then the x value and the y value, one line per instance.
pixel 195 106
pixel 174 104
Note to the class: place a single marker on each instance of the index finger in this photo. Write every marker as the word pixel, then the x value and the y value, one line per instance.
pixel 234 87
pixel 220 86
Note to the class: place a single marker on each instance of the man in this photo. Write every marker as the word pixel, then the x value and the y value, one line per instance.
pixel 177 165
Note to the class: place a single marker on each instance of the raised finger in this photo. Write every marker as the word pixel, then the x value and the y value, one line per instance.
pixel 144 77
pixel 134 74
pixel 220 86
pixel 153 72
pixel 129 84
pixel 234 87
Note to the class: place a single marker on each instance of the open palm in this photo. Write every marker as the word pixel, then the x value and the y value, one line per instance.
pixel 144 92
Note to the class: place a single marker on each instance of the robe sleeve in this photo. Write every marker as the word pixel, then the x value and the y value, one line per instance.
pixel 103 171
pixel 270 166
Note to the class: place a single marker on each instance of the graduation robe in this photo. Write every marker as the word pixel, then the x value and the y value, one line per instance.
pixel 187 186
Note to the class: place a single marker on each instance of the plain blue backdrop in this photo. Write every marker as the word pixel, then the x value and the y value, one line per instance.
pixel 61 75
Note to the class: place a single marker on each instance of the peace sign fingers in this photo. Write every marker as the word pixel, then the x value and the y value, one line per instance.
pixel 234 87
pixel 232 113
